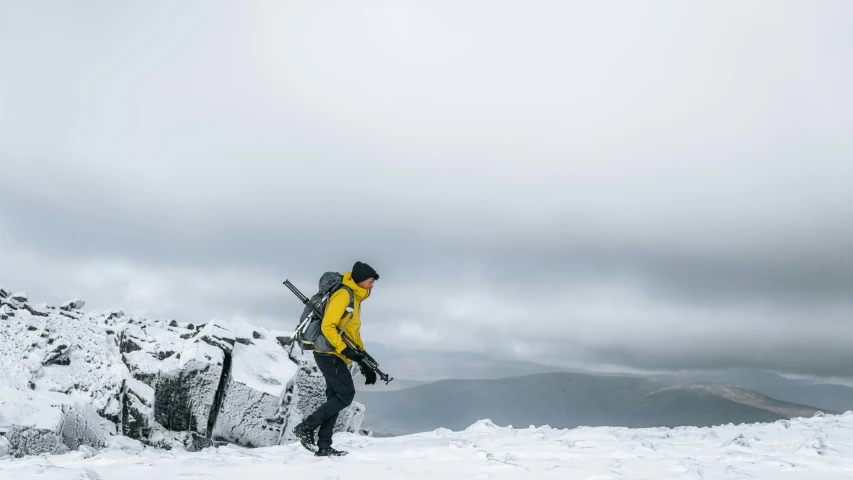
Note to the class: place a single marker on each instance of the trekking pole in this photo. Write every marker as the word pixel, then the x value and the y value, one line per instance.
pixel 369 360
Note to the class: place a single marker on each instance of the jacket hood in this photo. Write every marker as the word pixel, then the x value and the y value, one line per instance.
pixel 360 293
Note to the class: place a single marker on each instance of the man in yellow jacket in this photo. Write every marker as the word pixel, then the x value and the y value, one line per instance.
pixel 333 357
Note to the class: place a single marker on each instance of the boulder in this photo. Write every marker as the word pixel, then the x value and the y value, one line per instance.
pixel 20 297
pixel 75 304
pixel 137 414
pixel 60 355
pixel 188 397
pixel 5 447
pixel 184 397
pixel 260 375
pixel 48 422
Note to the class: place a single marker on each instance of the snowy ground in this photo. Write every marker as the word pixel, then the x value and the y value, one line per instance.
pixel 815 448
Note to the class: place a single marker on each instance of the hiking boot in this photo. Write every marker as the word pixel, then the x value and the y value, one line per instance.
pixel 305 434
pixel 329 452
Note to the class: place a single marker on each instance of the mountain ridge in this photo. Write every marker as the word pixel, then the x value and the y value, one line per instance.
pixel 568 400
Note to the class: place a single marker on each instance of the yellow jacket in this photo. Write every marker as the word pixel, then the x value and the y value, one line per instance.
pixel 332 321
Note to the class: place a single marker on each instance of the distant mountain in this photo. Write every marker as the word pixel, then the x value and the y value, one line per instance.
pixel 380 386
pixel 568 400
pixel 822 395
pixel 827 396
pixel 414 367
pixel 758 380
pixel 432 365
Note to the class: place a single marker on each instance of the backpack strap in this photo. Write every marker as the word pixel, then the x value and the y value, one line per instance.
pixel 349 309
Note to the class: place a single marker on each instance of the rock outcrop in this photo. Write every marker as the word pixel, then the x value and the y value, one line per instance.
pixel 47 422
pixel 165 383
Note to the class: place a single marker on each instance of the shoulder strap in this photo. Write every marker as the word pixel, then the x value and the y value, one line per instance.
pixel 351 300
pixel 348 310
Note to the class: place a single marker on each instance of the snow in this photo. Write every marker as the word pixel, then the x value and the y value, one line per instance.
pixel 27 409
pixel 264 366
pixel 813 448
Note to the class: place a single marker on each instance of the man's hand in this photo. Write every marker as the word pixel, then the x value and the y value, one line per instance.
pixel 369 374
pixel 353 355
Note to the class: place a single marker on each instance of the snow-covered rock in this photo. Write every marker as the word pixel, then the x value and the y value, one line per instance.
pixel 166 384
pixel 185 397
pixel 260 373
pixel 20 296
pixel 75 304
pixel 5 446
pixel 47 422
pixel 6 311
pixel 312 394
pixel 137 409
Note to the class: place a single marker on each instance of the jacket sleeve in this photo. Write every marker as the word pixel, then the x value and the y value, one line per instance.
pixel 331 319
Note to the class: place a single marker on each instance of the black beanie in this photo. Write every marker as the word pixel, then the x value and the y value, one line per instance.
pixel 363 271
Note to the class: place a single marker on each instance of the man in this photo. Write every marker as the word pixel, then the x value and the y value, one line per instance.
pixel 334 364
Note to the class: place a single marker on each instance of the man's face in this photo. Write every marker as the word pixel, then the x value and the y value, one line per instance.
pixel 367 284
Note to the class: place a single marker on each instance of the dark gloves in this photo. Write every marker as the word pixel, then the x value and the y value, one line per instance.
pixel 352 355
pixel 369 374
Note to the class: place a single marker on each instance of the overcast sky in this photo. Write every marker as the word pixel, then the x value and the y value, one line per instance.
pixel 634 185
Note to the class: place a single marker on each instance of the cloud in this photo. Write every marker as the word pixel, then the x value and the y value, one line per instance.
pixel 654 187
pixel 195 295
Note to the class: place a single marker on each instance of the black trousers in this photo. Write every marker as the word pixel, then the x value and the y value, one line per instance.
pixel 340 392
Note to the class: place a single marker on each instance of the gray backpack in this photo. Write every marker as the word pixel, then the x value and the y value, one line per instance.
pixel 308 334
